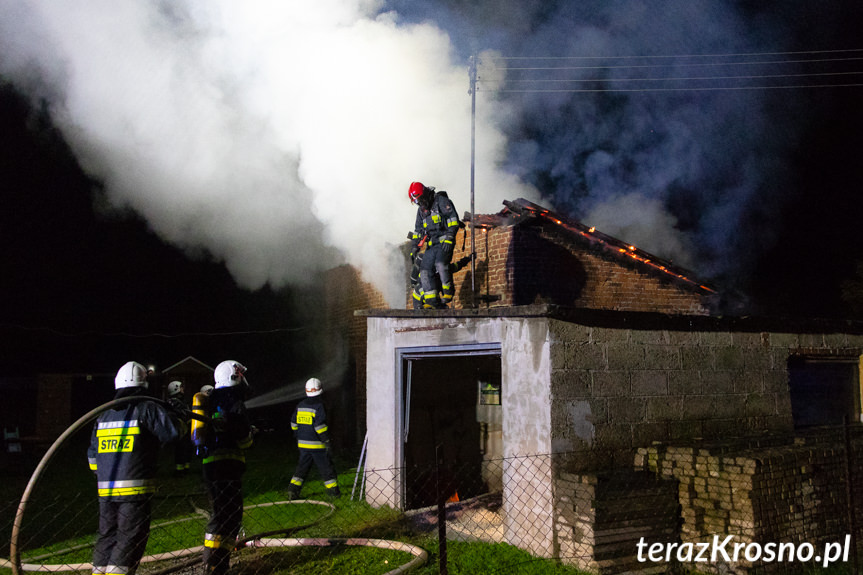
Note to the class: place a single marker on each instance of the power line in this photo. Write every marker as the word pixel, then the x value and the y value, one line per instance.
pixel 682 78
pixel 533 77
pixel 669 56
pixel 688 89
pixel 683 65
pixel 62 333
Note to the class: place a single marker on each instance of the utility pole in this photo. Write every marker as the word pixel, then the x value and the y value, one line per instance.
pixel 472 92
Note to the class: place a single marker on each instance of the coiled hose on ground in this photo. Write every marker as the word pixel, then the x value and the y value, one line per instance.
pixel 258 540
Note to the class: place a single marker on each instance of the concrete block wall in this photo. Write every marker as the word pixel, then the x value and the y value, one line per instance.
pixel 614 390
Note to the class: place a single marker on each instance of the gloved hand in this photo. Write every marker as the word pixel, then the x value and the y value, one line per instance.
pixel 180 411
pixel 218 423
pixel 448 248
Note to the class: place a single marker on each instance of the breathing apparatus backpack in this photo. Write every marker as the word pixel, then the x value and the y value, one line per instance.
pixel 200 427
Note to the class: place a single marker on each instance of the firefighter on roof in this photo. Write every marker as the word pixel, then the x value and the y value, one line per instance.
pixel 309 424
pixel 123 453
pixel 416 287
pixel 437 223
pixel 224 463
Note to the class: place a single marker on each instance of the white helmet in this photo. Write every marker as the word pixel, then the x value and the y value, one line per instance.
pixel 207 389
pixel 229 373
pixel 132 374
pixel 175 388
pixel 313 387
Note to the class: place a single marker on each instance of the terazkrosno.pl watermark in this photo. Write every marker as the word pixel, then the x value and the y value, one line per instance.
pixel 728 550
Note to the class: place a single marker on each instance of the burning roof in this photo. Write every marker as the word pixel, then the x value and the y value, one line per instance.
pixel 521 211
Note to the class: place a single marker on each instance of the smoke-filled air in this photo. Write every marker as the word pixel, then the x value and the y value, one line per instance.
pixel 280 136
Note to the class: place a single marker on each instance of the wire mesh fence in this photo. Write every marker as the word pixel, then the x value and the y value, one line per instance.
pixel 773 504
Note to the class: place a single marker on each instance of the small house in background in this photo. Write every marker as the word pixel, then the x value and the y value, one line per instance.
pixel 192 372
pixel 569 360
pixel 40 411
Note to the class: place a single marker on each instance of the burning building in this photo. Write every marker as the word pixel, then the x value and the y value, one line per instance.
pixel 574 354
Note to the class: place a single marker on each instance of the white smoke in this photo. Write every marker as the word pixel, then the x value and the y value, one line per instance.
pixel 636 216
pixel 279 137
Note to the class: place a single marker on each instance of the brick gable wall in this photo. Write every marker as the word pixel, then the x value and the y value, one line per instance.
pixel 523 265
pixel 347 292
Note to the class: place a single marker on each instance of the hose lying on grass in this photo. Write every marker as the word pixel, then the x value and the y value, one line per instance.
pixel 258 540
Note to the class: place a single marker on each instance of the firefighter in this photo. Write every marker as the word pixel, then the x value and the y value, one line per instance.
pixel 417 290
pixel 309 424
pixel 437 222
pixel 123 453
pixel 224 462
pixel 182 446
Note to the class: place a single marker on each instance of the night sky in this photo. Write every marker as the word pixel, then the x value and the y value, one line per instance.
pixel 110 256
pixel 84 289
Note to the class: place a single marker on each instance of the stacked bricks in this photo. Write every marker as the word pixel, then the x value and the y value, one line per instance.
pixel 599 520
pixel 773 490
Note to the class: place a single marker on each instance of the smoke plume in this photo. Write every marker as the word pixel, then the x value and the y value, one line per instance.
pixel 280 137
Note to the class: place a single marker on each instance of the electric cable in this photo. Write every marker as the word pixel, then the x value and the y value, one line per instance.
pixel 532 72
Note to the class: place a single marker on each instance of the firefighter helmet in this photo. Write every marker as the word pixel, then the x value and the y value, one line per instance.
pixel 416 191
pixel 175 388
pixel 206 389
pixel 132 374
pixel 313 387
pixel 229 373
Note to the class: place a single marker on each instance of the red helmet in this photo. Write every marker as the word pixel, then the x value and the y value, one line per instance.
pixel 416 191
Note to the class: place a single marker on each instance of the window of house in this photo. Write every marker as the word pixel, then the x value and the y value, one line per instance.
pixel 824 391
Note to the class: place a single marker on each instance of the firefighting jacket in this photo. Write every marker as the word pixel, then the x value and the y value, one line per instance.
pixel 439 222
pixel 125 444
pixel 309 423
pixel 231 431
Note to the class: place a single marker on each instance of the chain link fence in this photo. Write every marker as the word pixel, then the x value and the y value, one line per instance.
pixel 772 504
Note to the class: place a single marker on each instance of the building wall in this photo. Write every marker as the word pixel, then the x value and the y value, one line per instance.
pixel 523 265
pixel 618 389
pixel 54 412
pixel 347 292
pixel 583 392
pixel 526 412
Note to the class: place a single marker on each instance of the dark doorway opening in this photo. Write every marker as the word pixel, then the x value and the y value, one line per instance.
pixel 824 391
pixel 442 416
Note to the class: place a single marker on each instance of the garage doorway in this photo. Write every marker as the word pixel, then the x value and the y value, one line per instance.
pixel 452 406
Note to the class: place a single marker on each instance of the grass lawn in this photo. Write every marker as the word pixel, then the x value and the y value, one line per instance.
pixel 62 516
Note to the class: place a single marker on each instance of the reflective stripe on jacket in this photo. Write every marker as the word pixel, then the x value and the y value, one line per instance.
pixel 440 222
pixel 125 443
pixel 309 424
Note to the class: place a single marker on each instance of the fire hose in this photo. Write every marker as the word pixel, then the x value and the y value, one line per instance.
pixel 253 541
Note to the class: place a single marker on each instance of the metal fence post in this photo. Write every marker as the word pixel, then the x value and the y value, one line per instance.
pixel 441 512
pixel 849 493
